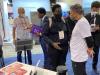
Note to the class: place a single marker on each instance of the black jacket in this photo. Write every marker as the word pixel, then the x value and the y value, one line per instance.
pixel 51 33
pixel 96 34
pixel 70 24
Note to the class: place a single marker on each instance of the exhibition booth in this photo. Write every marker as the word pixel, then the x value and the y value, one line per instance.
pixel 8 12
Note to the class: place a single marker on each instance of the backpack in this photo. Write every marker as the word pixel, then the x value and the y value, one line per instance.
pixel 55 27
pixel 50 21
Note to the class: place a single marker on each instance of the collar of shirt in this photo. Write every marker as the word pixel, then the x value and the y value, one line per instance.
pixel 93 13
pixel 43 17
pixel 21 16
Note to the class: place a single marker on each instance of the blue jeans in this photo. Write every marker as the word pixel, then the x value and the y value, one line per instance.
pixel 45 51
pixel 19 56
pixel 29 55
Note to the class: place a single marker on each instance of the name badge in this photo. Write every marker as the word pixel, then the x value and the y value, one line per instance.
pixel 61 34
pixel 92 27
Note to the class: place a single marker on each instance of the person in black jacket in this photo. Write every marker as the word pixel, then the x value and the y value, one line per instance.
pixel 70 24
pixel 94 20
pixel 44 22
pixel 56 37
pixel 81 42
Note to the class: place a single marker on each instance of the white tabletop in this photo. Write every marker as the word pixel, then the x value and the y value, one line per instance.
pixel 30 68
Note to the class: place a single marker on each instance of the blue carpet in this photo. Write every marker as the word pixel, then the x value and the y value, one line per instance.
pixel 37 57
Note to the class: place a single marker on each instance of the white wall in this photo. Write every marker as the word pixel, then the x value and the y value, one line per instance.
pixel 30 5
pixel 84 3
pixel 5 21
pixel 87 3
pixel 71 2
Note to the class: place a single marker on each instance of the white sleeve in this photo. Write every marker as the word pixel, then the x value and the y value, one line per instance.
pixel 84 29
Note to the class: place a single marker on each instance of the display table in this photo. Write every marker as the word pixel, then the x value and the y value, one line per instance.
pixel 17 68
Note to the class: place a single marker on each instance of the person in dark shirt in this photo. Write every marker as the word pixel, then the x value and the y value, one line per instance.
pixel 44 22
pixel 56 36
pixel 70 24
pixel 94 20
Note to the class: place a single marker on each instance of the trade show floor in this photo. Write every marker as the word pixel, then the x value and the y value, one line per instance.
pixel 10 57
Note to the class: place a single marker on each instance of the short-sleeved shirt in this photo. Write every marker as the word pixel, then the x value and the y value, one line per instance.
pixel 78 44
pixel 22 24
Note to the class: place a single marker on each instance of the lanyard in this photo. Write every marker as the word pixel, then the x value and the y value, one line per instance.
pixel 23 22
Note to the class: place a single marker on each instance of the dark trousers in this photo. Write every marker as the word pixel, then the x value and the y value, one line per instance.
pixel 29 56
pixel 79 68
pixel 2 64
pixel 95 58
pixel 45 52
pixel 56 58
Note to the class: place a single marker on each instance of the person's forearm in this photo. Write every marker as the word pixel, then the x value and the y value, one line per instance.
pixel 49 41
pixel 14 34
pixel 90 44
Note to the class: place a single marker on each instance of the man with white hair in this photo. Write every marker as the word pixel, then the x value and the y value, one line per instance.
pixel 81 42
pixel 21 32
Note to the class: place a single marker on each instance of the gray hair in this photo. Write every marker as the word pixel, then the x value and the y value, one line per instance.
pixel 77 8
